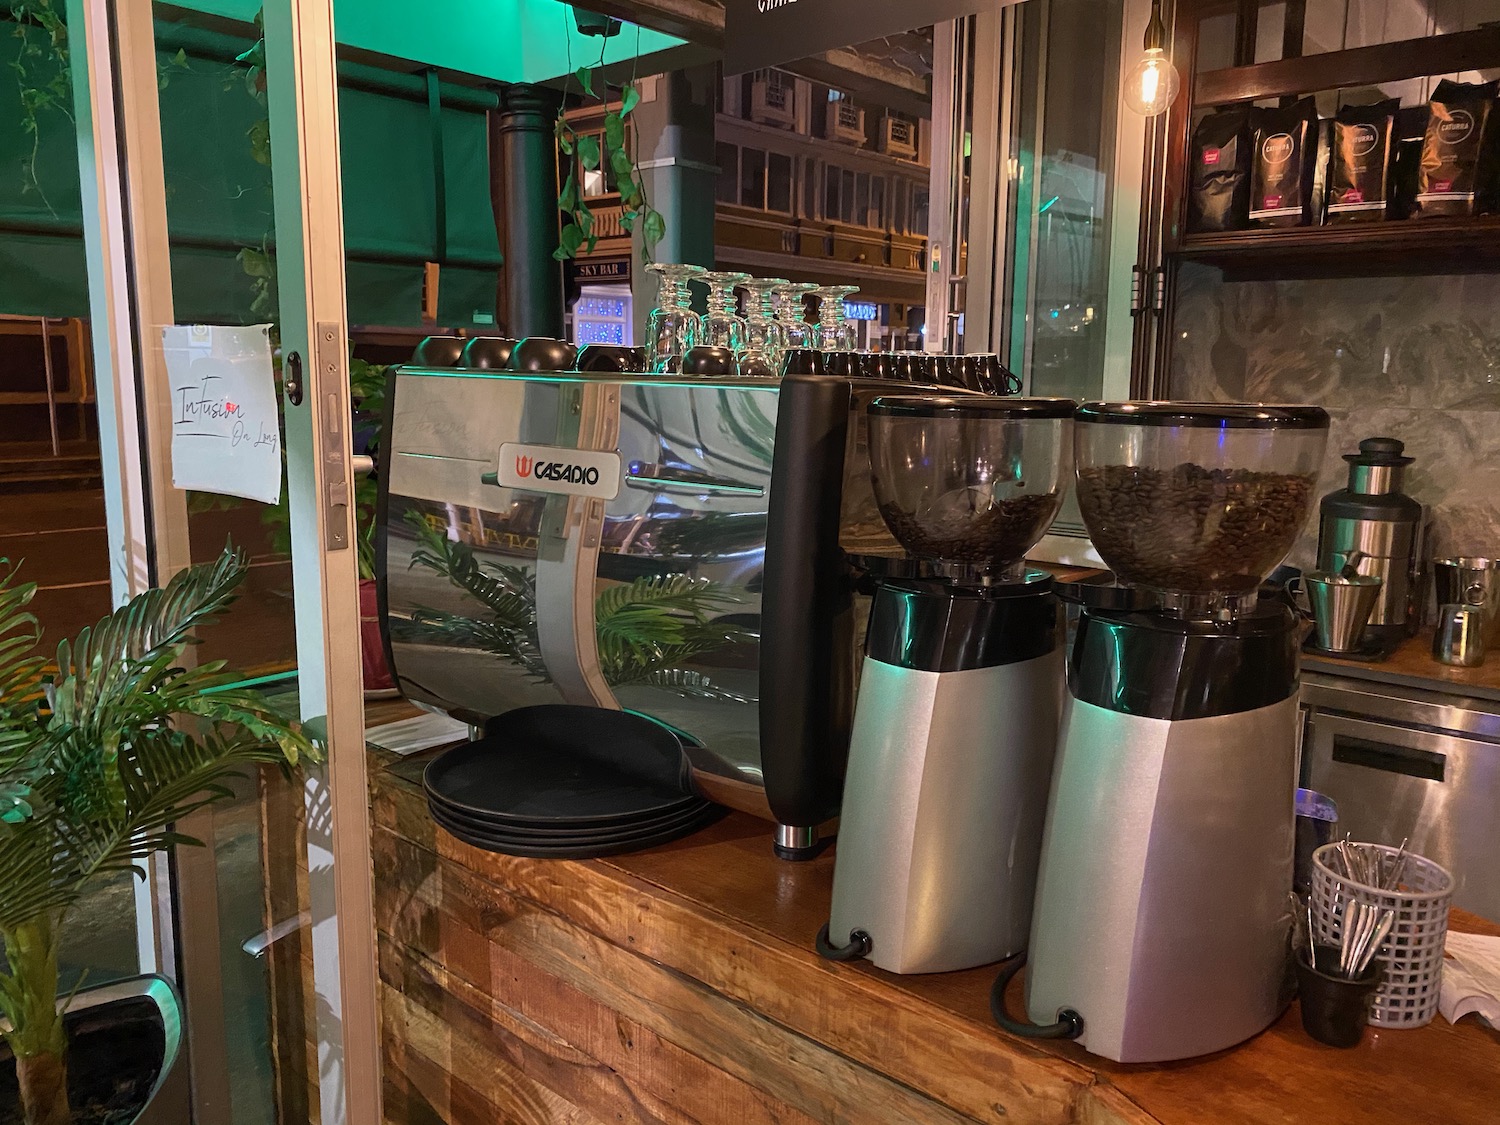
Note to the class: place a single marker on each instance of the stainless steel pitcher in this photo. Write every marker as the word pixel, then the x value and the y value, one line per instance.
pixel 1470 580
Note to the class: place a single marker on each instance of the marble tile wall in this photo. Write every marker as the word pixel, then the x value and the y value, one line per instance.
pixel 1416 358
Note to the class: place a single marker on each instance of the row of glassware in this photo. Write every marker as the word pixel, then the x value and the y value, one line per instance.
pixel 760 340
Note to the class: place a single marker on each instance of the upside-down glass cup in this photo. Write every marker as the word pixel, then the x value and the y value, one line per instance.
pixel 791 314
pixel 723 326
pixel 835 330
pixel 765 336
pixel 673 327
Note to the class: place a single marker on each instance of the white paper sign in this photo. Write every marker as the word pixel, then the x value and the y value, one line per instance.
pixel 225 436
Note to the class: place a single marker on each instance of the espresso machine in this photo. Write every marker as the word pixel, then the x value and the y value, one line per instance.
pixel 522 505
pixel 1373 516
pixel 1161 923
pixel 956 721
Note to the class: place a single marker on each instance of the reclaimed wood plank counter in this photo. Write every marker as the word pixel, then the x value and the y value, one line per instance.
pixel 679 985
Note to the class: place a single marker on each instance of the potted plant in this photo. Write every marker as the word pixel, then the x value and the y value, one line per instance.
pixel 102 752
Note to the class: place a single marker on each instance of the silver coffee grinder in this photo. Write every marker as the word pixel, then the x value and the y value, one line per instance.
pixel 955 724
pixel 1161 923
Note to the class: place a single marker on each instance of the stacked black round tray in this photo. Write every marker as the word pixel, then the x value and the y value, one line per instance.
pixel 566 782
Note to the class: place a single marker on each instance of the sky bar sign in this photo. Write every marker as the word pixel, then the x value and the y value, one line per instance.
pixel 761 33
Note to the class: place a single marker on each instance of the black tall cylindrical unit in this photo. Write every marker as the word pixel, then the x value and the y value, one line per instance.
pixel 524 193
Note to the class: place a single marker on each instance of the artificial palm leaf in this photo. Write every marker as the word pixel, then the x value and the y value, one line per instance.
pixel 508 592
pixel 98 671
pixel 20 667
pixel 657 623
pixel 645 630
pixel 95 772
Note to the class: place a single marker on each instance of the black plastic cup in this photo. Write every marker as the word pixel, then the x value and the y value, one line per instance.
pixel 707 359
pixel 877 365
pixel 994 377
pixel 1335 1009
pixel 487 353
pixel 845 365
pixel 542 353
pixel 612 358
pixel 802 361
pixel 919 367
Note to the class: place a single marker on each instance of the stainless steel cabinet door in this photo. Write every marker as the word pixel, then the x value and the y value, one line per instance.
pixel 1440 791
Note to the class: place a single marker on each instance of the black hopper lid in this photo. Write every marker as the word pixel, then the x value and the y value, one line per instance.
pixel 970 406
pixel 1215 415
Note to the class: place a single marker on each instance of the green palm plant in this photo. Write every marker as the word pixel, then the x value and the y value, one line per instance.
pixel 101 754
pixel 646 629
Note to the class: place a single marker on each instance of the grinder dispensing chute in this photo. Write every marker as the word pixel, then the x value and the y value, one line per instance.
pixel 1161 911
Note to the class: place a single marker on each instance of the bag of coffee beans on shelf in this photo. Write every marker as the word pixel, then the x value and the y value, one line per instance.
pixel 1411 125
pixel 1359 180
pixel 1286 142
pixel 1459 150
pixel 1219 193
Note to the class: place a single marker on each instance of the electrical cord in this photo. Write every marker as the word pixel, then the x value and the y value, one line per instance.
pixel 1069 1023
pixel 859 946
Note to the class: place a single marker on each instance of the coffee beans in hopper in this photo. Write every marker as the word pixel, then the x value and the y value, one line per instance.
pixel 968 525
pixel 1193 529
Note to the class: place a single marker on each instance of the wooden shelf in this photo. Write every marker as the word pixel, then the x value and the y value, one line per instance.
pixel 1360 66
pixel 1410 246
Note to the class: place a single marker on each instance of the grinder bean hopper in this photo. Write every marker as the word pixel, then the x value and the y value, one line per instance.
pixel 1160 926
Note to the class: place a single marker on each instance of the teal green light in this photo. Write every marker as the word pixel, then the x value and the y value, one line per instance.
pixel 715 382
pixel 1048 205
pixel 503 40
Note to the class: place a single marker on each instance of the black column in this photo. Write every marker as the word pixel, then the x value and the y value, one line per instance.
pixel 523 189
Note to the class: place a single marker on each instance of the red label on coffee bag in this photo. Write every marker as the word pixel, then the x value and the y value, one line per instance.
pixel 1210 156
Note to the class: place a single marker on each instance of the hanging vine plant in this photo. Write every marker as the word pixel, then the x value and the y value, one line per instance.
pixel 42 78
pixel 44 82
pixel 586 152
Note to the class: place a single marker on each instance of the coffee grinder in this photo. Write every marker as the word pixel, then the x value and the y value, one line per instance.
pixel 1161 924
pixel 955 724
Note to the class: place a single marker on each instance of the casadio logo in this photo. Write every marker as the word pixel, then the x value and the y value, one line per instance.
pixel 546 468
pixel 556 470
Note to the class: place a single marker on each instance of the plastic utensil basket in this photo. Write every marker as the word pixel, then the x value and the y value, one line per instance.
pixel 1413 952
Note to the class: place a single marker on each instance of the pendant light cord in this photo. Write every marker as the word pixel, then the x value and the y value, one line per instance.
pixel 1156 30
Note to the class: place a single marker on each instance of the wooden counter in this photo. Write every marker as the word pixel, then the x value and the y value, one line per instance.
pixel 1412 665
pixel 680 985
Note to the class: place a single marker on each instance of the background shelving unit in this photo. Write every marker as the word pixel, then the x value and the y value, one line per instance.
pixel 1354 249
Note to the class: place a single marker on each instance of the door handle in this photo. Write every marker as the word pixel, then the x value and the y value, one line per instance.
pixel 257 944
pixel 1389 757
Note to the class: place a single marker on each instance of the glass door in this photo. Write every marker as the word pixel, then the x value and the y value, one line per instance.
pixel 213 227
pixel 53 526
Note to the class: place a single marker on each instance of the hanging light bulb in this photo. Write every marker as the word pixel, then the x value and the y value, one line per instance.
pixel 1153 82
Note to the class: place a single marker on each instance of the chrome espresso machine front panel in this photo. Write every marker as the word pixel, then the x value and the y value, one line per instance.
pixel 649 597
